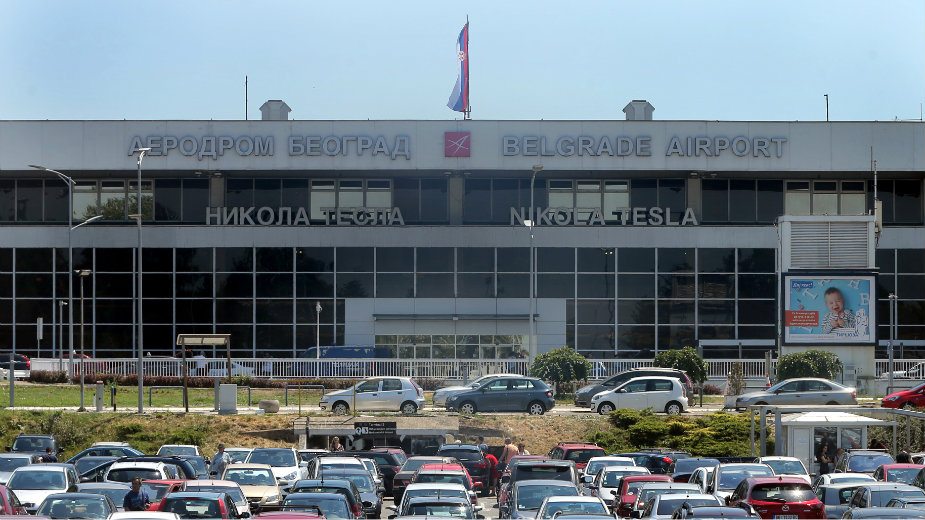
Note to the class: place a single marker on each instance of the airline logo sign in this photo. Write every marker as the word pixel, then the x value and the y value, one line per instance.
pixel 457 144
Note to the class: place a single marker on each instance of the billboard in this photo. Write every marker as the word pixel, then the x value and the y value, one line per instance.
pixel 829 309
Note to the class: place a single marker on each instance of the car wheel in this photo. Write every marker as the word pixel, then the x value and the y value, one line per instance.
pixel 340 408
pixel 831 403
pixel 467 408
pixel 761 403
pixel 908 406
pixel 409 408
pixel 605 408
pixel 673 408
pixel 536 408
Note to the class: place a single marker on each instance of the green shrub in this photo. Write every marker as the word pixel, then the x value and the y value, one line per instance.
pixel 685 359
pixel 624 417
pixel 648 432
pixel 562 365
pixel 812 363
pixel 47 376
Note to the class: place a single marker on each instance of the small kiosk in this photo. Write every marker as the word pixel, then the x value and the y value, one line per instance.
pixel 809 434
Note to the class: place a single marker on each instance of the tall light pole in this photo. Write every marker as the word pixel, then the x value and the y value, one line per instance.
pixel 61 304
pixel 893 319
pixel 317 330
pixel 139 372
pixel 531 342
pixel 83 274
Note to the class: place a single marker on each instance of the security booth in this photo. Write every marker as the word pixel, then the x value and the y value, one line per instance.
pixel 416 435
pixel 808 435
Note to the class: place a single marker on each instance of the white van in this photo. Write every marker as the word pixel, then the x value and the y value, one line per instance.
pixel 126 471
pixel 660 393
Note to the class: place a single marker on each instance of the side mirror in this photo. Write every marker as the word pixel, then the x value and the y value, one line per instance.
pixel 587 479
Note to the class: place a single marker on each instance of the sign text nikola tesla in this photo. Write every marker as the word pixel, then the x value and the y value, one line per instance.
pixel 596 217
pixel 641 146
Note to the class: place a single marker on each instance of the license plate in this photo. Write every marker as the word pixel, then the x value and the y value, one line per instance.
pixel 786 517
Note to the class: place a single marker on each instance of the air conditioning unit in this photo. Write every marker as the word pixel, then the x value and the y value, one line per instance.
pixel 827 242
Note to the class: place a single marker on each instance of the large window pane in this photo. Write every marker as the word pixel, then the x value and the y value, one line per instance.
pixel 555 259
pixel 7 200
pixel 675 337
pixel 644 193
pixel 637 340
pixel 908 201
pixel 353 285
pixel 742 200
pixel 636 260
pixel 194 259
pixel 675 260
pixel 354 260
pixel 55 201
pixel 239 193
pixel 234 285
pixel 671 194
pixel 435 260
pixel 116 260
pixel 110 194
pixel 395 259
pixel 194 311
pixel 314 285
pixel 435 286
pixel 595 337
pixel 34 259
pixel 770 200
pixel 596 311
pixel 757 286
pixel 267 193
pixel 717 311
pixel 475 259
pixel 195 200
pixel 676 311
pixel 406 197
pixel 167 200
pixel 675 286
pixel 234 311
pixel 237 259
pixel 113 200
pixel 513 259
pixel 274 285
pixel 635 286
pixel 194 285
pixel 29 201
pixel 595 286
pixel 713 286
pixel 909 261
pixel 504 197
pixel 314 259
pixel 323 196
pixel 433 200
pixel 758 312
pixel 274 259
pixel 35 285
pixel 477 201
pixel 596 259
pixel 635 311
pixel 114 285
pixel 756 260
pixel 555 286
pixel 715 200
pixel 513 285
pixel 475 285
pixel 395 285
pixel 716 260
pixel 295 194
pixel 274 311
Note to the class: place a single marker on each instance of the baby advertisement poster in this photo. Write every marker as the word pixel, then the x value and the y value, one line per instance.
pixel 821 309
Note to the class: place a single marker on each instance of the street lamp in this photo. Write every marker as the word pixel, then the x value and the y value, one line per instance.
pixel 317 330
pixel 893 320
pixel 60 354
pixel 532 348
pixel 83 273
pixel 139 371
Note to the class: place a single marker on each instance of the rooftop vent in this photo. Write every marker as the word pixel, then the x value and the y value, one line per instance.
pixel 275 110
pixel 638 110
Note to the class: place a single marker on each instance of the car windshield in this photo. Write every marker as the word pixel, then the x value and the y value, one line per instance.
pixel 278 458
pixel 787 467
pixel 843 495
pixel 363 481
pixel 11 463
pixel 611 479
pixel 234 492
pixel 330 507
pixel 667 506
pixel 127 474
pixel 87 463
pixel 583 455
pixel 83 507
pixel 441 478
pixel 730 478
pixel 155 491
pixel 581 508
pixel 192 507
pixel 879 497
pixel 199 464
pixel 545 472
pixel 904 475
pixel 836 479
pixel 238 456
pixel 633 487
pixel 783 492
pixel 35 480
pixel 689 465
pixel 438 509
pixel 33 444
pixel 435 492
pixel 868 463
pixel 462 455
pixel 117 494
pixel 595 466
pixel 413 464
pixel 167 451
pixel 250 477
pixel 531 497
pixel 914 505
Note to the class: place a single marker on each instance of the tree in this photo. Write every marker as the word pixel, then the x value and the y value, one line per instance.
pixel 812 363
pixel 562 365
pixel 685 359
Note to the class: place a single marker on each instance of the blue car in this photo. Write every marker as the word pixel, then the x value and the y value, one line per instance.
pixel 524 394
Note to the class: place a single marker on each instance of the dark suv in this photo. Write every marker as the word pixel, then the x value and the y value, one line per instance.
pixel 584 394
pixel 34 444
pixel 862 461
pixel 389 463
pixel 474 461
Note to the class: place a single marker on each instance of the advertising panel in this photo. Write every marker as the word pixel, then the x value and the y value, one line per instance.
pixel 829 309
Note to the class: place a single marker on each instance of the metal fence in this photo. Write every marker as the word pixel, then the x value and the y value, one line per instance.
pixel 453 369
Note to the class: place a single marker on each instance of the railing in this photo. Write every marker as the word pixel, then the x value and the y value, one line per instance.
pixel 442 369
pixel 883 365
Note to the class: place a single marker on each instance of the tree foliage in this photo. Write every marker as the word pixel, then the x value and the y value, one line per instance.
pixel 685 359
pixel 562 365
pixel 812 363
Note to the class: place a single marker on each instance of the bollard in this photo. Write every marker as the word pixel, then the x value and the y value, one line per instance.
pixel 112 396
pixel 98 397
pixel 216 393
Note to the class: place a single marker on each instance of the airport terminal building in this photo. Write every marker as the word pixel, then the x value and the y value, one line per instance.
pixel 415 237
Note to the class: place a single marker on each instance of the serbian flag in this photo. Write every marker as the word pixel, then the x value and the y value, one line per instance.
pixel 459 99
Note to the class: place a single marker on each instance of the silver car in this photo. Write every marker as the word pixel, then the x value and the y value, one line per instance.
pixel 801 391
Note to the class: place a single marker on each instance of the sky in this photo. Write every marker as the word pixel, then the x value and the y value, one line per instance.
pixel 529 59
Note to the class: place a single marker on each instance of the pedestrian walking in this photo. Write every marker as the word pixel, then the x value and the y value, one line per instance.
pixel 136 499
pixel 49 456
pixel 220 461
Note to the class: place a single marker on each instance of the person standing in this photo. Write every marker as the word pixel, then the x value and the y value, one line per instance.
pixel 493 475
pixel 220 461
pixel 482 446
pixel 136 499
pixel 508 453
pixel 336 445
pixel 522 449
pixel 49 456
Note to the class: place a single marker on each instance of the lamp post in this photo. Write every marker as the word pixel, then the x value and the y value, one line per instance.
pixel 317 330
pixel 61 304
pixel 83 274
pixel 139 370
pixel 532 348
pixel 893 319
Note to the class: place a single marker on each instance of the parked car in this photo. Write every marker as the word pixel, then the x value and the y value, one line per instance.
pixel 702 477
pixel 877 494
pixel 395 394
pixel 442 394
pixel 168 450
pixel 158 489
pixel 606 484
pixel 331 505
pixel 841 478
pixel 663 506
pixel 201 505
pixel 407 470
pixel 682 469
pixel 232 489
pixel 34 444
pixel 11 461
pixel 528 394
pixel 625 498
pixel 257 482
pixel 882 513
pixel 106 450
pixel 655 462
pixel 862 461
pixel 431 490
pixel 595 464
pixel 77 505
pixel 775 497
pixel 554 506
pixel 116 491
pixel 34 483
pixel 9 503
pixel 388 462
pixel 199 463
pixel 659 393
pixel 789 466
pixel 578 452
pixel 727 477
pixel 473 460
pixel 801 391
pixel 370 494
pixel 584 394
pixel 22 366
pixel 239 454
pixel 712 512
pixel 907 503
pixel 285 462
pixel 126 471
pixel 903 473
pixel 909 398
pixel 836 497
pixel 333 485
pixel 526 497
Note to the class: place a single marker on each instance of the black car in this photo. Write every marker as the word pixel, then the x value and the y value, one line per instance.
pixel 862 461
pixel 345 487
pixel 389 464
pixel 370 494
pixel 473 460
pixel 681 469
pixel 106 451
pixel 655 462
pixel 584 394
pixel 34 444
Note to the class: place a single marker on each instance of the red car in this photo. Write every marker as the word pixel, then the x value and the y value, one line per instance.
pixel 911 398
pixel 9 504
pixel 290 515
pixel 577 452
pixel 778 497
pixel 201 505
pixel 158 489
pixel 903 473
pixel 629 488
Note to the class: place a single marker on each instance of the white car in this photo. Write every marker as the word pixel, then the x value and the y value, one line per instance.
pixel 34 483
pixel 285 463
pixel 702 478
pixel 382 394
pixel 595 464
pixel 220 369
pixel 651 489
pixel 442 394
pixel 554 506
pixel 607 481
pixel 440 490
pixel 726 477
pixel 373 470
pixel 168 450
pixel 126 471
pixel 10 461
pixel 663 506
pixel 317 466
pixel 842 478
pixel 660 393
pixel 789 466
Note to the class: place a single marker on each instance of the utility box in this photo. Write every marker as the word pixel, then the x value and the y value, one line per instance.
pixel 98 397
pixel 227 399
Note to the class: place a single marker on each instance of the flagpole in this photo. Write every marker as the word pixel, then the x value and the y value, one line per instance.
pixel 468 73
